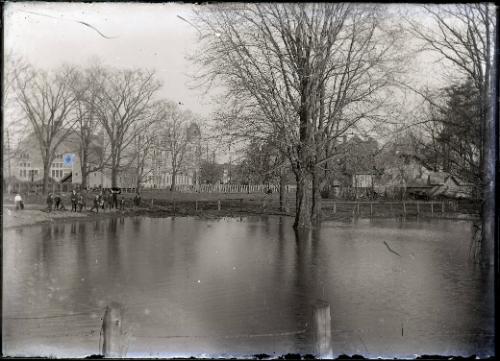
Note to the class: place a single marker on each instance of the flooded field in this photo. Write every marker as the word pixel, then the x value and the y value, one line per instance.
pixel 243 286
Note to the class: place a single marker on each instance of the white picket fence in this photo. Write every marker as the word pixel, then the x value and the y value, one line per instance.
pixel 231 188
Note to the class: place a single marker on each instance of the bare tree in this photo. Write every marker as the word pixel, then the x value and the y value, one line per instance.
pixel 174 137
pixel 464 35
pixel 48 102
pixel 124 105
pixel 91 152
pixel 144 145
pixel 302 73
pixel 13 124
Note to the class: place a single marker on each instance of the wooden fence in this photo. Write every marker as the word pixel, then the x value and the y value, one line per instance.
pixel 318 331
pixel 329 207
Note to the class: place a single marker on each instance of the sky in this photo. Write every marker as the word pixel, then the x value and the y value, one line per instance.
pixel 128 35
pixel 140 35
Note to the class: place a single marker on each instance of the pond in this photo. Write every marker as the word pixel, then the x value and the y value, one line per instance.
pixel 242 286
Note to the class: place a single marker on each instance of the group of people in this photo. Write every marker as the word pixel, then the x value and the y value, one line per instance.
pixel 54 202
pixel 106 199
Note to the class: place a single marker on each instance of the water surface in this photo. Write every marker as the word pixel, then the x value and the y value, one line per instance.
pixel 242 286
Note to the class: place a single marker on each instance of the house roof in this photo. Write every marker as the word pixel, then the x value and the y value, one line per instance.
pixel 67 178
pixel 437 178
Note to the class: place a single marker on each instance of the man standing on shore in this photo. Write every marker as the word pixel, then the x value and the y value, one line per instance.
pixel 96 203
pixel 114 196
pixel 50 201
pixel 81 202
pixel 74 200
pixel 18 201
pixel 57 200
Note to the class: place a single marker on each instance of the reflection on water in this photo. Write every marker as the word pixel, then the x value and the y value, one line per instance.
pixel 243 286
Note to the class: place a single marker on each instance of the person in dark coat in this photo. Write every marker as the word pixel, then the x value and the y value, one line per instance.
pixel 101 200
pixel 137 199
pixel 81 202
pixel 50 201
pixel 114 195
pixel 96 203
pixel 74 200
pixel 57 201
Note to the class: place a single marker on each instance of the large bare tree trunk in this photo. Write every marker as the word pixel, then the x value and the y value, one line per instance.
pixel 46 169
pixel 138 184
pixel 489 137
pixel 114 175
pixel 84 168
pixel 316 196
pixel 282 189
pixel 172 184
pixel 303 200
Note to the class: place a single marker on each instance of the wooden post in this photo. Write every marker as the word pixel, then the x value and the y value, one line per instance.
pixel 442 207
pixel 113 344
pixel 418 208
pixel 152 202
pixel 196 206
pixel 432 208
pixel 404 209
pixel 218 205
pixel 334 207
pixel 322 330
pixel 371 209
pixel 358 208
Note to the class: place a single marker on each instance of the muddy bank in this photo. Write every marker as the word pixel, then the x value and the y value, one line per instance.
pixel 36 214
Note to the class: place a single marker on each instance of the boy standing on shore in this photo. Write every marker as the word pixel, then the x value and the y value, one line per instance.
pixel 50 201
pixel 19 202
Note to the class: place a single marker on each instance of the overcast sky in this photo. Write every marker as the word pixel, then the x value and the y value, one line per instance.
pixel 130 35
pixel 144 35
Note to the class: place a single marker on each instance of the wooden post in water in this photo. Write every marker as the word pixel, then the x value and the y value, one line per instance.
pixel 404 209
pixel 218 205
pixel 371 209
pixel 358 208
pixel 152 202
pixel 442 207
pixel 418 208
pixel 334 207
pixel 321 325
pixel 432 208
pixel 113 344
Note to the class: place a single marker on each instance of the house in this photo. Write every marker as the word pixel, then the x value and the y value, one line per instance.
pixel 159 166
pixel 445 185
pixel 27 163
